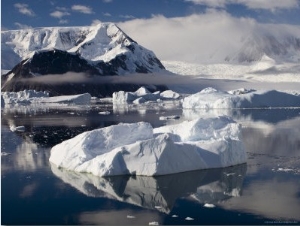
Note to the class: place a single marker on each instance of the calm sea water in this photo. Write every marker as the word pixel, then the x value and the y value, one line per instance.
pixel 266 190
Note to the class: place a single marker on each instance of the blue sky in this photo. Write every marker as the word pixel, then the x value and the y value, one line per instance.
pixel 16 14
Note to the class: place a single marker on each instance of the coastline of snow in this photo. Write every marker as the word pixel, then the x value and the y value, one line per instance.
pixel 28 97
pixel 211 98
pixel 138 149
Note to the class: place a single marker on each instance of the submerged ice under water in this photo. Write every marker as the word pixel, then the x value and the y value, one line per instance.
pixel 266 189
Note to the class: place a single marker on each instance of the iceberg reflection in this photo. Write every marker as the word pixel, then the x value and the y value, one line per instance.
pixel 161 193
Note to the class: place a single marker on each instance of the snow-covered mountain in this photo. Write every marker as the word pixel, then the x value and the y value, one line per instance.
pixel 99 45
pixel 100 50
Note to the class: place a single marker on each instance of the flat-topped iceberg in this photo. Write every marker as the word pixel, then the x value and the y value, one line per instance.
pixel 138 149
pixel 28 97
pixel 210 98
pixel 143 95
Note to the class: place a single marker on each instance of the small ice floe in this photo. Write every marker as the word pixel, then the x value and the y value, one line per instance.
pixel 104 113
pixel 170 117
pixel 285 170
pixel 207 205
pixel 157 207
pixel 17 128
pixel 153 223
pixel 130 216
pixel 189 219
pixel 5 153
pixel 174 215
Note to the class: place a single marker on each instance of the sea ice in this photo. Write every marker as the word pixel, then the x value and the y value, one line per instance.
pixel 138 149
pixel 211 98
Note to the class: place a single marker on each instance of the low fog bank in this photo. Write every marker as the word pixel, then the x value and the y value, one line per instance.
pixel 179 83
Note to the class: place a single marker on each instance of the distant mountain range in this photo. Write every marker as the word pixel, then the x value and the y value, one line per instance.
pixel 102 50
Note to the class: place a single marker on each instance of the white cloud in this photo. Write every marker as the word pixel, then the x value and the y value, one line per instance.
pixel 22 26
pixel 196 38
pixel 127 16
pixel 107 1
pixel 251 4
pixel 63 21
pixel 106 14
pixel 24 9
pixel 82 9
pixel 59 14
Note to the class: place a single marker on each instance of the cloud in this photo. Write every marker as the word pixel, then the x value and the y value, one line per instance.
pixel 22 26
pixel 127 16
pixel 106 14
pixel 24 9
pixel 63 21
pixel 59 14
pixel 82 9
pixel 195 38
pixel 107 1
pixel 271 5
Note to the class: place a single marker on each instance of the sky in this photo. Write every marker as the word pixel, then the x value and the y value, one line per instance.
pixel 18 14
pixel 185 30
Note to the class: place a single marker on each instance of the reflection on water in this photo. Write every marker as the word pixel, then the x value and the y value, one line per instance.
pixel 206 186
pixel 269 190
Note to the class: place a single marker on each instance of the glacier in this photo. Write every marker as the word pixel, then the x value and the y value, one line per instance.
pixel 138 149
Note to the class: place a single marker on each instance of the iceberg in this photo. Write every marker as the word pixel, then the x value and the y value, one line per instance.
pixel 28 97
pixel 143 95
pixel 138 149
pixel 210 98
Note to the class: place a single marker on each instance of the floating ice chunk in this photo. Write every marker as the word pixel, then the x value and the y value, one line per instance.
pixel 36 97
pixel 143 95
pixel 169 94
pixel 153 223
pixel 130 216
pixel 5 153
pixel 174 215
pixel 208 205
pixel 79 99
pixel 138 149
pixel 17 128
pixel 104 113
pixel 189 219
pixel 170 117
pixel 211 98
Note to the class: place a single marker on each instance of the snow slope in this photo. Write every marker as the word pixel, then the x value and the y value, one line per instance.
pixel 138 149
pixel 102 42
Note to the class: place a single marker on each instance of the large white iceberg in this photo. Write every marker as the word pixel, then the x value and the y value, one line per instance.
pixel 138 149
pixel 211 98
